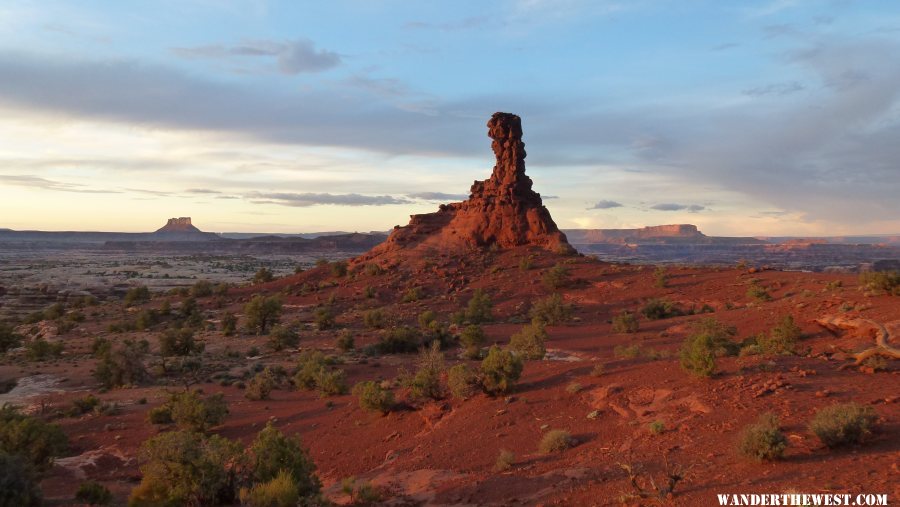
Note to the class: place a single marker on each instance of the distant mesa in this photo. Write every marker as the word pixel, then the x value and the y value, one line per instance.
pixel 181 224
pixel 677 234
pixel 502 211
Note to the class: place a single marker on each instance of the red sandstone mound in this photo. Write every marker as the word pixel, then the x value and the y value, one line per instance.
pixel 502 210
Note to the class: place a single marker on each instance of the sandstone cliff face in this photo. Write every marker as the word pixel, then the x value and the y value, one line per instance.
pixel 502 210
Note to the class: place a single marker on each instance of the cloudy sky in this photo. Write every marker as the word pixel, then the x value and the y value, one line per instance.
pixel 767 117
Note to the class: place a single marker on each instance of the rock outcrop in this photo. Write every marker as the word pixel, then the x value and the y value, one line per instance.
pixel 181 224
pixel 502 210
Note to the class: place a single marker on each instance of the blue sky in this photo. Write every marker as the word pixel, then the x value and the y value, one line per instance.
pixel 768 117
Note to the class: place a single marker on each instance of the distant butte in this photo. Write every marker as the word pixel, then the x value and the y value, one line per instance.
pixel 181 224
pixel 502 211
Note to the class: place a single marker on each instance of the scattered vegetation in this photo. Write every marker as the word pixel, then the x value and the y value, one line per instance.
pixel 191 411
pixel 551 310
pixel 763 440
pixel 93 493
pixel 18 482
pixel 135 295
pixel 229 324
pixel 262 312
pixel 480 308
pixel 40 349
pixel 412 294
pixel 399 340
pixel 505 460
pixel 273 452
pixel 625 322
pixel 30 438
pixel 122 364
pixel 339 269
pixel 555 441
pixel 8 337
pixel 263 275
pixel 374 319
pixel 374 397
pixel 426 382
pixel 500 371
pixel 472 339
pixel 556 277
pixel 661 278
pixel 529 341
pixel 324 318
pixel 656 309
pixel 782 339
pixel 758 292
pixel 843 424
pixel 283 337
pixel 260 386
pixel 345 341
pixel 179 342
pixel 461 381
pixel 887 282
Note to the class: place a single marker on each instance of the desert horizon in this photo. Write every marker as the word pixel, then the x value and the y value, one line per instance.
pixel 522 253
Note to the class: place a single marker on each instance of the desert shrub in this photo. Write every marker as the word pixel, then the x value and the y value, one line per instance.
pixel 179 342
pixel 308 367
pixel 18 482
pixel 551 310
pixel 763 440
pixel 100 346
pixel 331 382
pixel 529 341
pixel 625 322
pixel 720 334
pixel 93 493
pixel 426 382
pixel 373 269
pixel 40 349
pixel 262 312
pixel 8 337
pixel 842 424
pixel 500 371
pixel 505 460
pixel 122 364
pixel 758 292
pixel 369 292
pixel 263 275
pixel 146 319
pixel 282 337
pixel 555 441
pixel 411 295
pixel 345 341
pixel 160 415
pixel 136 295
pixel 698 355
pixel 280 491
pixel 526 263
pixel 426 319
pixel 374 397
pixel 36 441
pixel 374 319
pixel 84 404
pixel 656 309
pixel 556 277
pixel 461 381
pixel 782 339
pixel 472 339
pixel 479 309
pixel 324 318
pixel 260 386
pixel 361 493
pixel 273 452
pixel 399 340
pixel 186 468
pixel 192 412
pixel 661 277
pixel 229 324
pixel 202 289
pixel 881 281
pixel 657 427
pixel 598 370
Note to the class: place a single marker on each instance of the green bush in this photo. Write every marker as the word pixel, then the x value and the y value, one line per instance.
pixel 426 319
pixel 122 365
pixel 411 295
pixel 192 412
pixel 273 452
pixel 843 424
pixel 625 322
pixel 556 441
pixel 373 269
pixel 40 349
pixel 461 381
pixel 551 310
pixel 160 415
pixel 782 339
pixel 373 397
pixel 374 319
pixel 758 292
pixel 179 342
pixel 661 277
pixel 698 355
pixel 309 365
pixel 263 275
pixel 93 493
pixel 881 281
pixel 282 337
pixel 505 460
pixel 278 492
pixel 229 324
pixel 202 289
pixel 36 441
pixel 500 371
pixel 18 483
pixel 472 339
pixel 136 295
pixel 331 382
pixel 146 319
pixel 720 334
pixel 324 318
pixel 345 341
pixel 479 309
pixel 260 386
pixel 529 341
pixel 262 312
pixel 656 309
pixel 763 440
pixel 84 404
pixel 339 269
pixel 399 340
pixel 426 382
pixel 9 339
pixel 186 468
pixel 556 277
